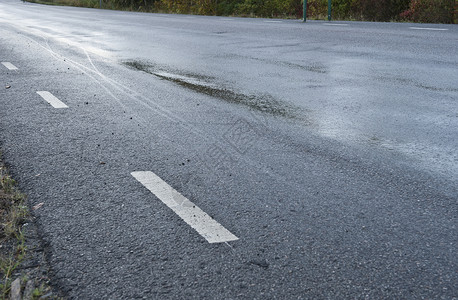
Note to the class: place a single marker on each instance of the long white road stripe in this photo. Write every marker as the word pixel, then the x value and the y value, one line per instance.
pixel 428 28
pixel 9 65
pixel 205 225
pixel 51 99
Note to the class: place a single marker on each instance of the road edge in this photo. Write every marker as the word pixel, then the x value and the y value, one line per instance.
pixel 24 269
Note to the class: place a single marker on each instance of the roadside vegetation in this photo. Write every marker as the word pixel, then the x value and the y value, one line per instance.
pixel 22 275
pixel 423 11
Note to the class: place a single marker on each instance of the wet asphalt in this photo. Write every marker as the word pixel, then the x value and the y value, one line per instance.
pixel 330 151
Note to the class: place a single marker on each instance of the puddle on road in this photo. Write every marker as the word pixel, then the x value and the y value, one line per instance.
pixel 201 84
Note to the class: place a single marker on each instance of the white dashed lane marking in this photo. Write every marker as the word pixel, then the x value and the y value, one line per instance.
pixel 428 28
pixel 9 66
pixel 51 99
pixel 205 225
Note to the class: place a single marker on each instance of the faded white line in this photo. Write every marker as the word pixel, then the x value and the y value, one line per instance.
pixel 335 24
pixel 428 28
pixel 272 21
pixel 205 225
pixel 9 66
pixel 51 99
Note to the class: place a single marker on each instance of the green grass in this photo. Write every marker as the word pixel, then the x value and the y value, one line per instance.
pixel 14 213
pixel 9 263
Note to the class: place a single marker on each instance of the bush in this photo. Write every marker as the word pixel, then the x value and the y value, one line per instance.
pixel 430 11
pixel 383 10
pixel 346 10
pixel 270 8
pixel 227 7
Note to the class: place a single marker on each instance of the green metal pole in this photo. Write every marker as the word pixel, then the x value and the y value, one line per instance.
pixel 329 10
pixel 304 11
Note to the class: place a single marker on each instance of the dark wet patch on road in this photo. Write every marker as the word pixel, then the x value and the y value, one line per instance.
pixel 314 67
pixel 276 46
pixel 405 81
pixel 137 65
pixel 264 103
pixel 435 89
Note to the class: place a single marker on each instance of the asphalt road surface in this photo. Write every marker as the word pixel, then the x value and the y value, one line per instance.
pixel 222 158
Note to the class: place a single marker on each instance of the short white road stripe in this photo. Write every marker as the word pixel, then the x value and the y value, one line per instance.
pixel 335 24
pixel 272 21
pixel 51 99
pixel 428 28
pixel 9 66
pixel 205 225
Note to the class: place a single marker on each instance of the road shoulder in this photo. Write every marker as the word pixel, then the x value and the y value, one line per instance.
pixel 23 266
